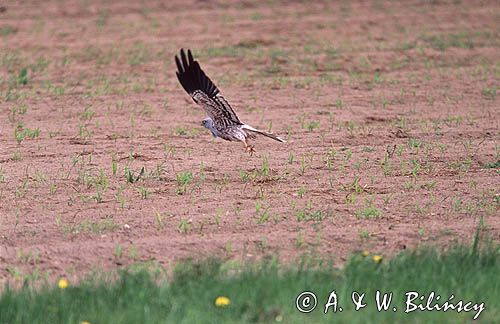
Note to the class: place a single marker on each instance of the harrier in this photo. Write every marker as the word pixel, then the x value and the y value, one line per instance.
pixel 222 120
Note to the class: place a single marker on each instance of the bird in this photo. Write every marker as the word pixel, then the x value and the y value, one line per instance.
pixel 222 121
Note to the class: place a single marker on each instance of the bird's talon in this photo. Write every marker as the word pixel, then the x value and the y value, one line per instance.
pixel 250 150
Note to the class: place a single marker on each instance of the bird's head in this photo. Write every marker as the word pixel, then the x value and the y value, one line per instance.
pixel 207 123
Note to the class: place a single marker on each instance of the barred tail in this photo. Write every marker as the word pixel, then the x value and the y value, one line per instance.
pixel 254 130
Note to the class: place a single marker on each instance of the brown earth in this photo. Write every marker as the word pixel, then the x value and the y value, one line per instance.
pixel 390 111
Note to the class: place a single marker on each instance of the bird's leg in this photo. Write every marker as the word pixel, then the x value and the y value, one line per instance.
pixel 249 148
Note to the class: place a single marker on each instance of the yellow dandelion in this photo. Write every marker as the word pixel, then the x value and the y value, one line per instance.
pixel 377 258
pixel 222 301
pixel 365 253
pixel 84 322
pixel 63 283
pixel 278 318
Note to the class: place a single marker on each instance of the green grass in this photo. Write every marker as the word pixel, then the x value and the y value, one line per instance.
pixel 7 30
pixel 489 93
pixel 183 180
pixel 493 165
pixel 444 41
pixel 266 292
pixel 21 133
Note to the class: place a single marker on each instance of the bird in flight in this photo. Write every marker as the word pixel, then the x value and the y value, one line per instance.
pixel 222 120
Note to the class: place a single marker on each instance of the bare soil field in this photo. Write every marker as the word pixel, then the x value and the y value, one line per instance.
pixel 390 112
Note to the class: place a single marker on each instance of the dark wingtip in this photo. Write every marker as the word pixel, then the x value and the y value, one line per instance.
pixel 190 57
pixel 191 76
pixel 179 66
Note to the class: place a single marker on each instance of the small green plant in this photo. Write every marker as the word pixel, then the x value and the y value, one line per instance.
pixel 300 241
pixel 83 132
pixel 184 226
pixel 88 113
pixel 364 235
pixel 339 103
pixel 118 252
pixel 21 133
pixel 493 165
pixel 22 78
pixel 183 180
pixel 415 144
pixel 369 212
pixel 102 19
pixel 264 167
pixel 99 193
pixel 489 93
pixel 120 198
pixel 262 212
pixel 130 175
pixel 244 175
pixel 144 192
pixel 312 125
pixel 303 165
pixel 89 226
pixel 6 30
pixel 350 125
pixel 347 155
pixel 159 220
pixel 309 213
pixel 416 168
pixel 52 188
pixel 17 156
pixel 180 131
pixel 114 165
pixel 15 110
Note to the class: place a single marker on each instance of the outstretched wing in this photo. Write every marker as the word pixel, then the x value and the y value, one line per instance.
pixel 203 91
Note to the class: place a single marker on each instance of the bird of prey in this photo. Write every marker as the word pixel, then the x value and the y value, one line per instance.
pixel 222 120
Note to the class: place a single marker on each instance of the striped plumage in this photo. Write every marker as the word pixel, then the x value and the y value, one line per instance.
pixel 222 121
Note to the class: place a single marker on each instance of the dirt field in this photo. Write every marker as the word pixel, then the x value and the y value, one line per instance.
pixel 390 112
